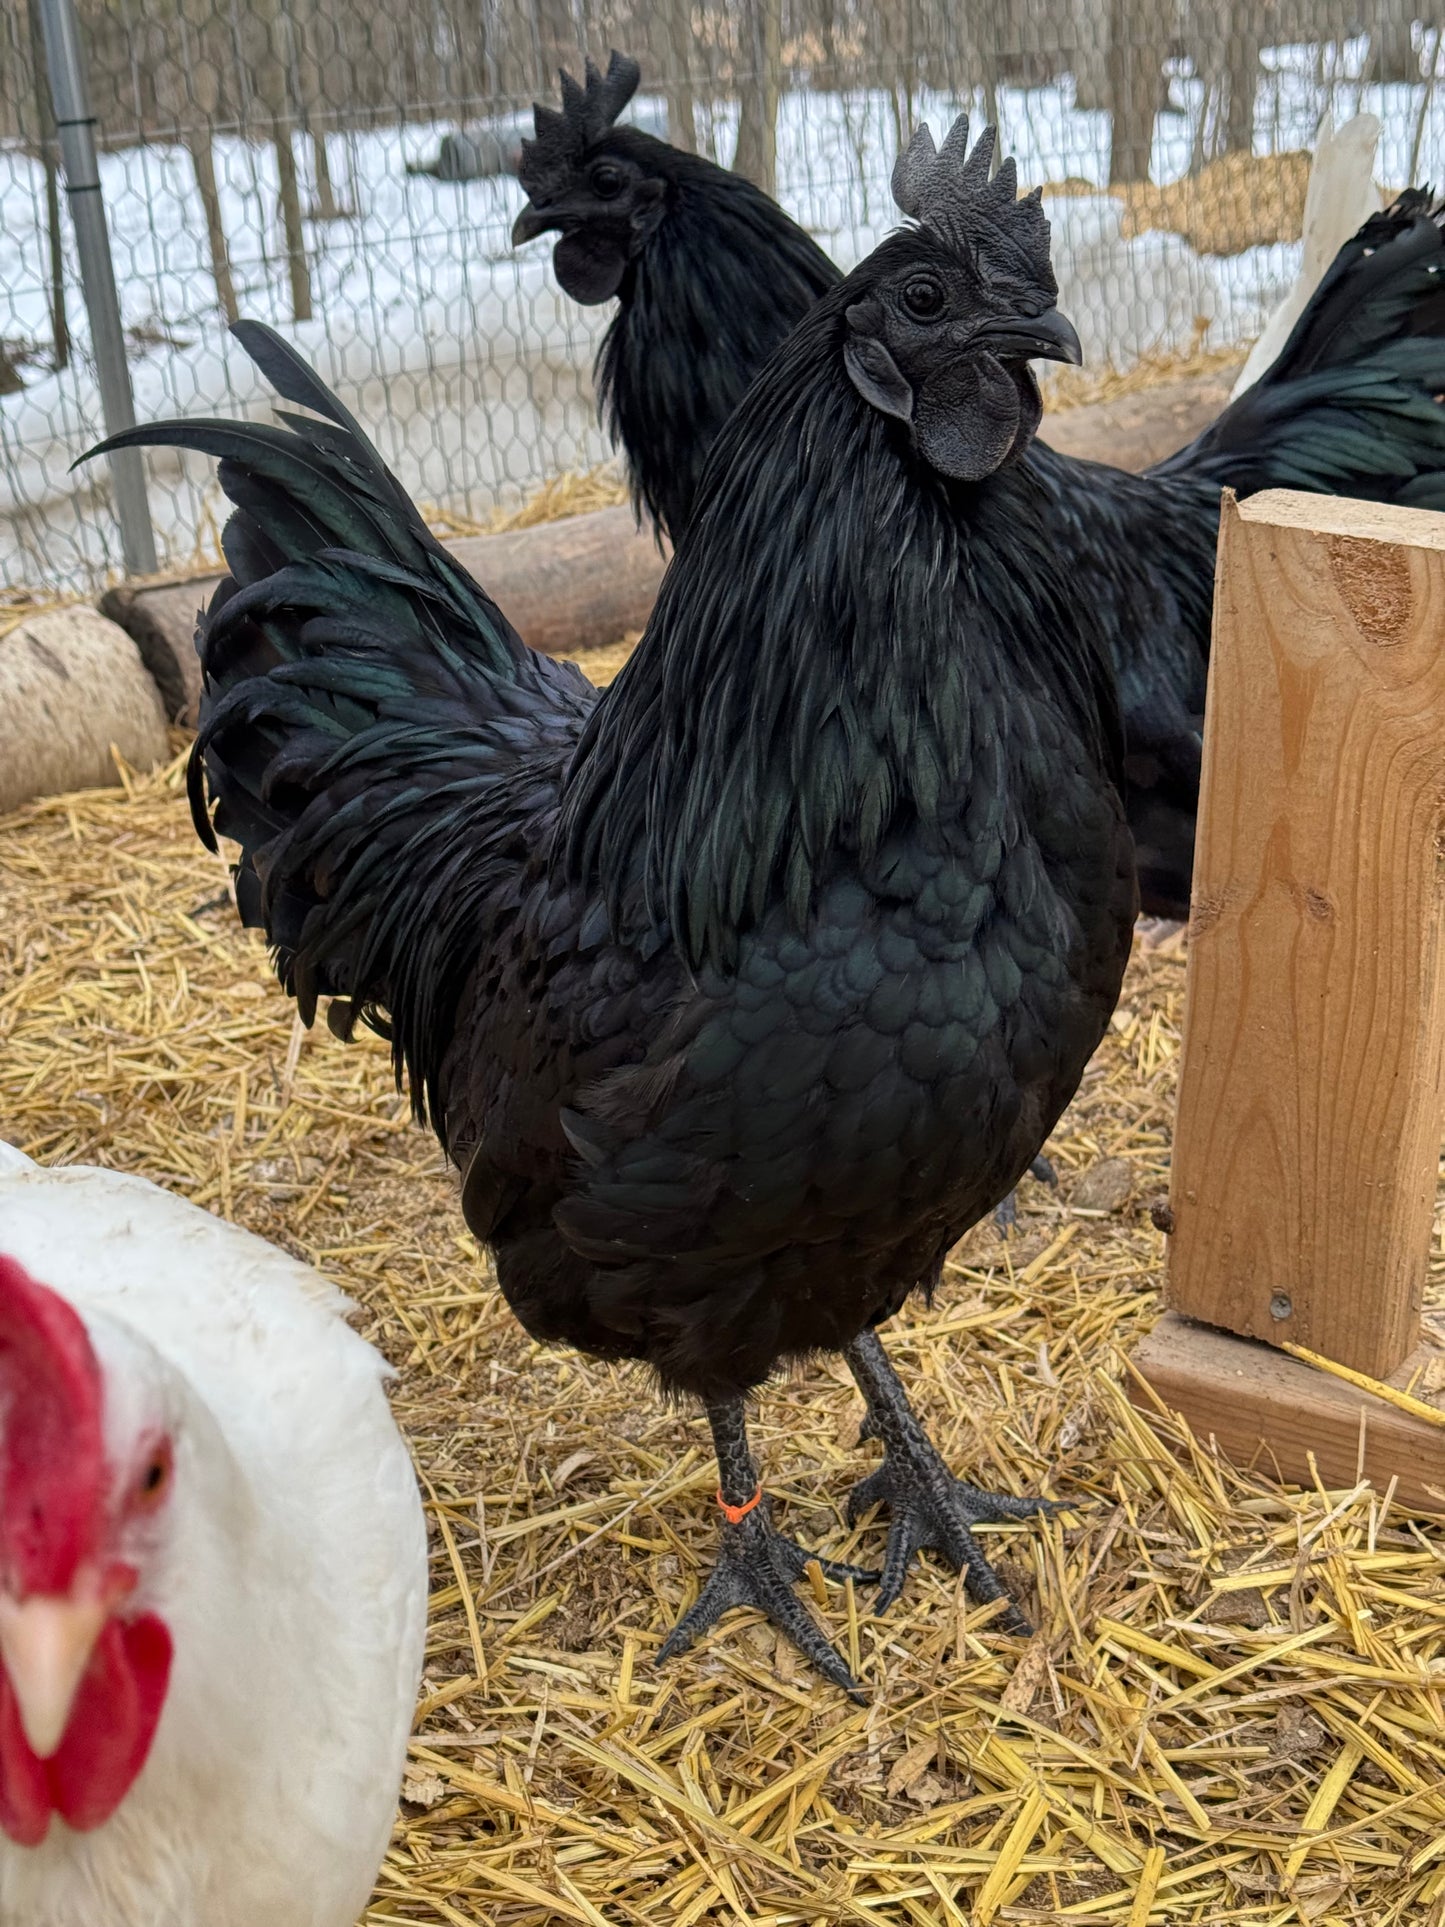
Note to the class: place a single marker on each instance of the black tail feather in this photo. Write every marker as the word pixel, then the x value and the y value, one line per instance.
pixel 367 718
pixel 1352 405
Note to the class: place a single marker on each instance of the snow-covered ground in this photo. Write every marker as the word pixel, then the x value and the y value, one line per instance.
pixel 463 358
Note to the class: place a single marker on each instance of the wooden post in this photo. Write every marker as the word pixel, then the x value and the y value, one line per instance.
pixel 1312 1084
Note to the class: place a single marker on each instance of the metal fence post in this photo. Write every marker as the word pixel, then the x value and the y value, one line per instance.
pixel 75 127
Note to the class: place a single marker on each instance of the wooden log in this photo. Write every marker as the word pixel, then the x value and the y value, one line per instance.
pixel 1263 1408
pixel 569 586
pixel 161 622
pixel 1312 1082
pixel 71 686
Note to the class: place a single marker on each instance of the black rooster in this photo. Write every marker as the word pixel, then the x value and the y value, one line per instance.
pixel 710 274
pixel 739 991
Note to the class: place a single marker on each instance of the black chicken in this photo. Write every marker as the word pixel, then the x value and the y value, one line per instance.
pixel 709 274
pixel 739 991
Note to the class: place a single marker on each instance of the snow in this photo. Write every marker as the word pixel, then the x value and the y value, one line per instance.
pixel 464 360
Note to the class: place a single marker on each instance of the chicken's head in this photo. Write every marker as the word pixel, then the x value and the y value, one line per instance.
pixel 948 314
pixel 594 184
pixel 85 1493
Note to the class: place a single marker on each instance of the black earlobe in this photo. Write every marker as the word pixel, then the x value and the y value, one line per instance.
pixel 877 376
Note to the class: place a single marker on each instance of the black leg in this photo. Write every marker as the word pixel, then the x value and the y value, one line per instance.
pixel 929 1507
pixel 1006 1214
pixel 756 1565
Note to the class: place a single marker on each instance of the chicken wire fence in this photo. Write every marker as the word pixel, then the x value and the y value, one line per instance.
pixel 343 169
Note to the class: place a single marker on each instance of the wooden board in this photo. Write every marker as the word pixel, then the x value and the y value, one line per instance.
pixel 1262 1407
pixel 1312 1085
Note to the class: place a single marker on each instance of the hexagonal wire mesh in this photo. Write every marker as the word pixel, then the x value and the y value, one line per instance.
pixel 341 168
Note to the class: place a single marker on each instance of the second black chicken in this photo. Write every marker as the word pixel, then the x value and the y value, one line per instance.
pixel 709 274
pixel 739 991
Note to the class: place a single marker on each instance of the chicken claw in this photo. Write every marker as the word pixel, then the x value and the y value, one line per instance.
pixel 1006 1213
pixel 930 1508
pixel 756 1565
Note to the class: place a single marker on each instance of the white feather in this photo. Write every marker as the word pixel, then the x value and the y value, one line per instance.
pixel 295 1589
pixel 1340 198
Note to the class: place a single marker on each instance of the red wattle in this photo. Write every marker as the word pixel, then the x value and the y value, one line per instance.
pixel 105 1745
pixel 113 1724
pixel 24 1791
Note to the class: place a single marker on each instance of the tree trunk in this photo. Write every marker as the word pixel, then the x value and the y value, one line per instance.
pixel 1136 58
pixel 59 320
pixel 983 42
pixel 1392 59
pixel 1241 76
pixel 198 142
pixel 1198 153
pixel 326 207
pixel 1432 50
pixel 311 85
pixel 674 24
pixel 10 382
pixel 1089 55
pixel 289 181
pixel 273 80
pixel 189 89
pixel 759 86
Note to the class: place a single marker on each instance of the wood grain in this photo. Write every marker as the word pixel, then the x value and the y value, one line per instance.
pixel 1312 1085
pixel 1263 1408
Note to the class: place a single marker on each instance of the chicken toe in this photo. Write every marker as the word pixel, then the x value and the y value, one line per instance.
pixel 1006 1213
pixel 756 1565
pixel 929 1508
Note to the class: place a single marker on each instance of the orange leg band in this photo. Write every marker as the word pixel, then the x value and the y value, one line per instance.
pixel 735 1514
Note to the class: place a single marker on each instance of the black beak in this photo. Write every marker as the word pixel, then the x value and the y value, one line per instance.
pixel 529 224
pixel 1042 337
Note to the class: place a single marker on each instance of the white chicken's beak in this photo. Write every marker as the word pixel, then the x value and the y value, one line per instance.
pixel 45 1646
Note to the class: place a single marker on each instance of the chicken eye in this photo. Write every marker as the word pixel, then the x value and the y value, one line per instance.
pixel 607 181
pixel 151 1486
pixel 924 297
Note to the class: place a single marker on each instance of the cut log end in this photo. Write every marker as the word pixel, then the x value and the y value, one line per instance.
pixel 73 690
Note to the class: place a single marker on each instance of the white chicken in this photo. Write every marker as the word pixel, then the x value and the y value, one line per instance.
pixel 212 1571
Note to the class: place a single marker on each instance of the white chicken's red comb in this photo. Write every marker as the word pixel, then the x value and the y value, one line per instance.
pixel 52 1452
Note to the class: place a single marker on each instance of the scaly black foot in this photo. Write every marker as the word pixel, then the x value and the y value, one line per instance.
pixel 1006 1214
pixel 929 1507
pixel 756 1565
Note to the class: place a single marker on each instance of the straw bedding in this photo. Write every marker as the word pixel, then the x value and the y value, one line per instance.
pixel 1236 202
pixel 1232 1710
